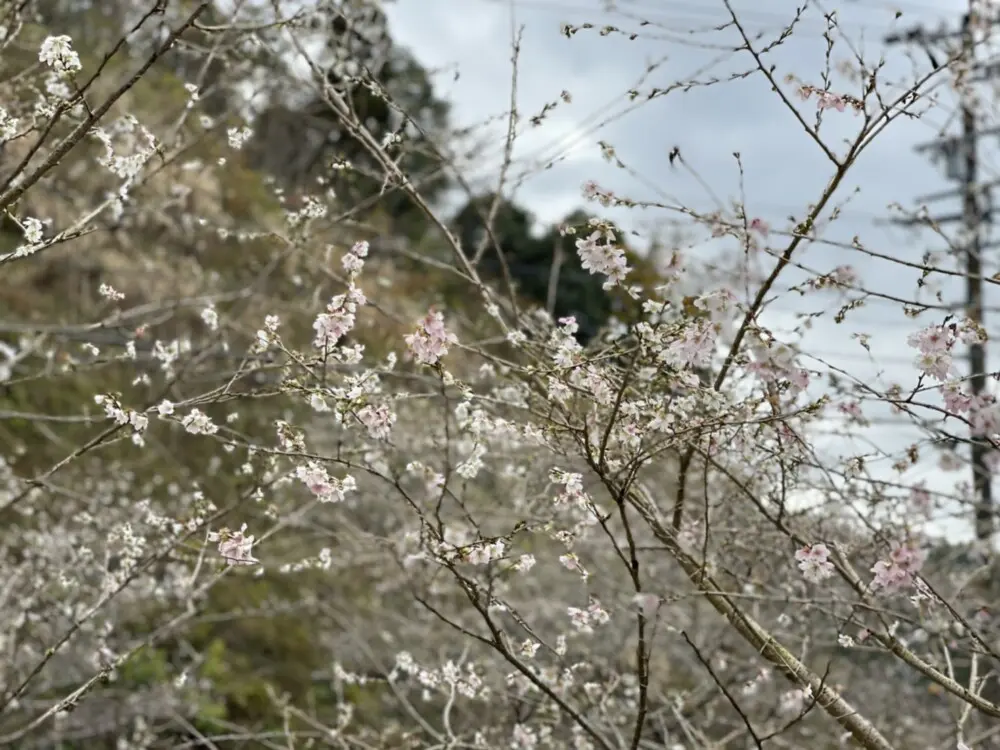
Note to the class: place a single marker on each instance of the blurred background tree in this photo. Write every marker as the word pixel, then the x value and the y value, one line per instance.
pixel 298 139
pixel 545 266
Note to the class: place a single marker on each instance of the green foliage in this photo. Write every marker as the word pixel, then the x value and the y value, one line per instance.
pixel 150 666
pixel 263 644
pixel 530 259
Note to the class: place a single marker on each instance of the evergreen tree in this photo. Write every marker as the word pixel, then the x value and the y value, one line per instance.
pixel 530 261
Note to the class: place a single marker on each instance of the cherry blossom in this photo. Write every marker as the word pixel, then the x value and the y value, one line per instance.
pixel 431 340
pixel 814 562
pixel 599 254
pixel 898 570
pixel 234 546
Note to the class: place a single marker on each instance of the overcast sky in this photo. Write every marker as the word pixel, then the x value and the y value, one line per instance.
pixel 783 169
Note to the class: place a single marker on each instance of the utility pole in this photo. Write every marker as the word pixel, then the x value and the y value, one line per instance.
pixel 961 156
pixel 981 480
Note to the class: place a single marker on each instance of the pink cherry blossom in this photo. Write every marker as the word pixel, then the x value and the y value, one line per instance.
pixel 897 571
pixel 235 546
pixel 431 340
pixel 814 562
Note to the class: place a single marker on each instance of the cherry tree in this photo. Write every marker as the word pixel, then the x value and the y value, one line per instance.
pixel 492 535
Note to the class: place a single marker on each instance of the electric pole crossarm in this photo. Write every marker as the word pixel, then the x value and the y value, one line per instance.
pixel 926 221
pixel 957 193
pixel 986 72
pixel 951 143
pixel 920 35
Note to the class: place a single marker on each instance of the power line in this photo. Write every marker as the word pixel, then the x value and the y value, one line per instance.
pixel 665 10
pixel 673 11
